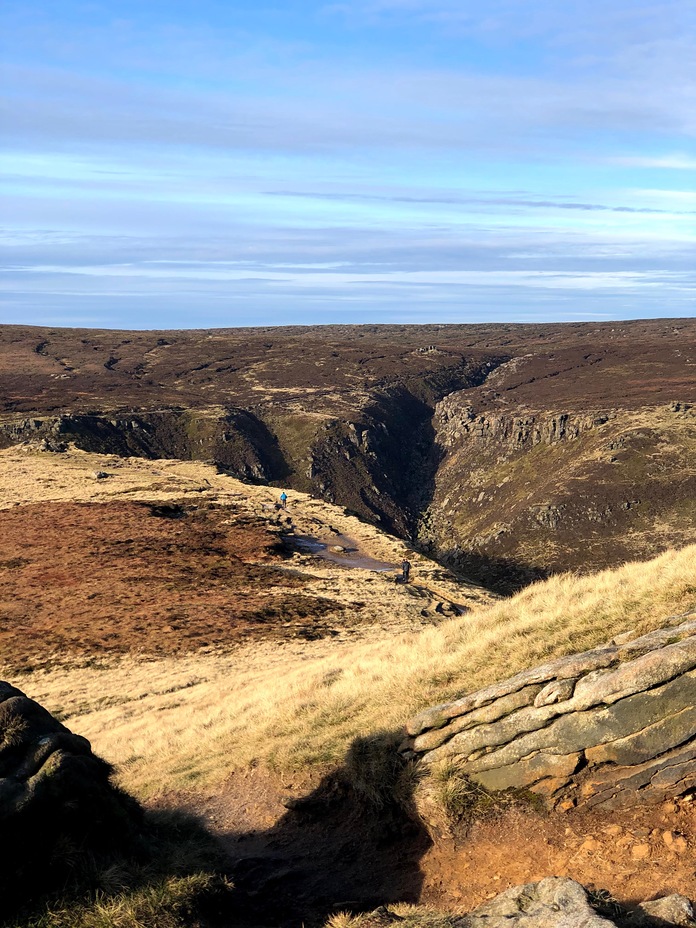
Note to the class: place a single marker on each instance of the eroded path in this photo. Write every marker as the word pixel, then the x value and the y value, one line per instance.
pixel 303 848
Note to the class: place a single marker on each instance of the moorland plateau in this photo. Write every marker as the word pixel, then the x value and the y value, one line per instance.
pixel 356 751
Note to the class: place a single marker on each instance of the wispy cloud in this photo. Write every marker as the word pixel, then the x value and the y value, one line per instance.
pixel 667 162
pixel 390 156
pixel 476 201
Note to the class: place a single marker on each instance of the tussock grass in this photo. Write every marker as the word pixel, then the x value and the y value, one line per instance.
pixel 405 914
pixel 188 723
pixel 169 903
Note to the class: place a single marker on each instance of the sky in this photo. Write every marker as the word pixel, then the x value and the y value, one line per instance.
pixel 225 162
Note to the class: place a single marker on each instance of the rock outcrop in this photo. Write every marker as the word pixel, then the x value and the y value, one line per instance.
pixel 457 422
pixel 555 902
pixel 610 727
pixel 558 902
pixel 56 800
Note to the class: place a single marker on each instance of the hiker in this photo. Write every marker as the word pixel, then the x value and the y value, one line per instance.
pixel 405 570
pixel 284 499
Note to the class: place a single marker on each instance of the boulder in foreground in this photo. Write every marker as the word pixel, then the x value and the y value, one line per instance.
pixel 58 807
pixel 554 902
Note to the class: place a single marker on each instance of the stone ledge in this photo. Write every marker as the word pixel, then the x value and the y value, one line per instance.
pixel 601 727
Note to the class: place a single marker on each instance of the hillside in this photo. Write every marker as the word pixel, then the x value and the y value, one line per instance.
pixel 103 556
pixel 276 710
pixel 508 452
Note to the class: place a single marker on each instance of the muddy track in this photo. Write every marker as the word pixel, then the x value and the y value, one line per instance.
pixel 300 851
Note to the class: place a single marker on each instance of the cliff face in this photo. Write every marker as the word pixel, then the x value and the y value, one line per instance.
pixel 610 727
pixel 233 438
pixel 517 497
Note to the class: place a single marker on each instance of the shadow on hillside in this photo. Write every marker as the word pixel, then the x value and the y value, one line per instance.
pixel 354 843
pixel 168 863
pixel 502 575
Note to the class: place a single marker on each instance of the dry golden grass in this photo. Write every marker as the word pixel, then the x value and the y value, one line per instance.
pixel 409 916
pixel 176 723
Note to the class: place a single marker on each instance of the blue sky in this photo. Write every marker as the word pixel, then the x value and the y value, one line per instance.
pixel 178 164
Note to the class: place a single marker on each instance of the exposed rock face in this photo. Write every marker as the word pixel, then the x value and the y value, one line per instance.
pixel 521 493
pixel 555 902
pixel 56 799
pixel 558 902
pixel 456 422
pixel 612 726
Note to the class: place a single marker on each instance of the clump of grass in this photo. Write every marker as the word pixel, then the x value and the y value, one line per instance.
pixel 401 913
pixel 458 795
pixel 463 799
pixel 168 903
pixel 373 768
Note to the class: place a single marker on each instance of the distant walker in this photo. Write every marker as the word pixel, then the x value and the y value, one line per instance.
pixel 284 499
pixel 405 571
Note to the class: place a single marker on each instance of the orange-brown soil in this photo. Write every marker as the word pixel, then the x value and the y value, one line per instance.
pixel 80 580
pixel 634 855
pixel 331 853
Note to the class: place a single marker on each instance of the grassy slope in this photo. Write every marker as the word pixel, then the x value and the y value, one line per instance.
pixel 189 722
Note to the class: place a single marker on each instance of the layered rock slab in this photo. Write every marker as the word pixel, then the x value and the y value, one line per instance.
pixel 612 726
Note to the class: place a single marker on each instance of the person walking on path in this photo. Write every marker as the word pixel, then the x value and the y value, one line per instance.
pixel 405 570
pixel 284 499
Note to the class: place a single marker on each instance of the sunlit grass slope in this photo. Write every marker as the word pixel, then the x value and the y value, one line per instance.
pixel 191 722
pixel 381 686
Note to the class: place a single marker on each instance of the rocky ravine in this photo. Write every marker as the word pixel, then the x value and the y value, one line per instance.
pixel 611 727
pixel 506 452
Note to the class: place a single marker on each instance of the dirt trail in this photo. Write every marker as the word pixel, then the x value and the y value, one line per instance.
pixel 301 849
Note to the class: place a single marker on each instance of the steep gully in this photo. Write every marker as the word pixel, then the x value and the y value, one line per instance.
pixel 498 490
pixel 380 462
